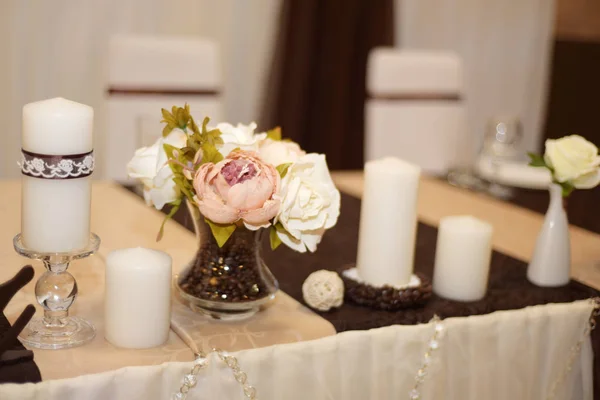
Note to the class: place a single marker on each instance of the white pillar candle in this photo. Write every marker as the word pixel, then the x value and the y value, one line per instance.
pixel 388 221
pixel 55 213
pixel 137 301
pixel 462 258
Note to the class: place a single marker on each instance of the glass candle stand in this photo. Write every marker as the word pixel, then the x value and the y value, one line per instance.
pixel 56 291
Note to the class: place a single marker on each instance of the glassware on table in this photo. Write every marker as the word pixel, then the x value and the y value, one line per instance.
pixel 502 144
pixel 229 282
pixel 56 291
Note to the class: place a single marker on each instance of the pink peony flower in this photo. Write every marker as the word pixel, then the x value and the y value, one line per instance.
pixel 240 187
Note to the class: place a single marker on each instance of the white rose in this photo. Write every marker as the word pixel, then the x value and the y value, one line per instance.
pixel 143 164
pixel 310 203
pixel 277 152
pixel 149 166
pixel 241 136
pixel 573 160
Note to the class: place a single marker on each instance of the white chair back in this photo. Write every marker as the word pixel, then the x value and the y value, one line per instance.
pixel 148 73
pixel 415 110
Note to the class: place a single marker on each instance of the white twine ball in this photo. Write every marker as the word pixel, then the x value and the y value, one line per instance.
pixel 323 290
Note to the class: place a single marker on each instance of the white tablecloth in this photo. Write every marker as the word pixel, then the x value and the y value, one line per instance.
pixel 505 355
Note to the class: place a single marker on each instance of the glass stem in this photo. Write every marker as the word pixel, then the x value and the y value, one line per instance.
pixel 55 318
pixel 56 290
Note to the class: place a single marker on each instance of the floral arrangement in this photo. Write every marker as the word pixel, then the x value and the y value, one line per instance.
pixel 238 179
pixel 573 162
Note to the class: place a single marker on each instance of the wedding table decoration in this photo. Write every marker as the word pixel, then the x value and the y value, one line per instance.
pixel 479 357
pixel 462 258
pixel 56 165
pixel 388 221
pixel 237 185
pixel 574 163
pixel 137 299
pixel 383 277
pixel 323 290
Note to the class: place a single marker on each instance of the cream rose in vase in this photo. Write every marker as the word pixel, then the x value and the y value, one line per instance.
pixel 573 162
pixel 310 203
pixel 149 165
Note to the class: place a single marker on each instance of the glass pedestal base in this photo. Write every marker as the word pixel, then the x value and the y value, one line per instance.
pixel 56 290
pixel 225 315
pixel 72 332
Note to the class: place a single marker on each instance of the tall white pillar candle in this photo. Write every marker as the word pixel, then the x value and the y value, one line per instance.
pixel 388 221
pixel 137 300
pixel 55 213
pixel 462 258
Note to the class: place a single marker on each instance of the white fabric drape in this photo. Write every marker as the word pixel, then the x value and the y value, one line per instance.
pixel 505 46
pixel 57 48
pixel 514 355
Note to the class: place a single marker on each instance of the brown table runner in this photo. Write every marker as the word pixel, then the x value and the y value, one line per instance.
pixel 508 289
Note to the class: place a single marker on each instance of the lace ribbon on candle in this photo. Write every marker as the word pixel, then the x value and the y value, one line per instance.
pixel 57 167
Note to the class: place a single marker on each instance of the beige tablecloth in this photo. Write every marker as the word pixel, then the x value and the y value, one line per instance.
pixel 122 220
pixel 507 355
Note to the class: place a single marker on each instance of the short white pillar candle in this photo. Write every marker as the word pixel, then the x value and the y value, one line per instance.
pixel 388 222
pixel 462 258
pixel 137 300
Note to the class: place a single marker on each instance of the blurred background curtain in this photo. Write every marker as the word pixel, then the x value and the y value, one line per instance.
pixel 316 91
pixel 506 48
pixel 57 48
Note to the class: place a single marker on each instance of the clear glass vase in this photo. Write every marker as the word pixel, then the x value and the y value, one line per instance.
pixel 230 282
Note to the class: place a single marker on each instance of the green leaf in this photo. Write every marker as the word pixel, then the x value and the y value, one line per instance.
pixel 567 188
pixel 210 154
pixel 283 169
pixel 192 125
pixel 213 137
pixel 221 232
pixel 183 185
pixel 167 116
pixel 274 134
pixel 536 160
pixel 172 152
pixel 182 118
pixel 174 207
pixel 274 238
pixel 205 124
pixel 189 152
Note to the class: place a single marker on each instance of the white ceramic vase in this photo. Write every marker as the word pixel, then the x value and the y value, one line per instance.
pixel 550 264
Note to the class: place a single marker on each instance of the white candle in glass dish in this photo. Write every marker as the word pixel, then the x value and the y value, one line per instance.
pixel 55 213
pixel 137 300
pixel 462 258
pixel 388 221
